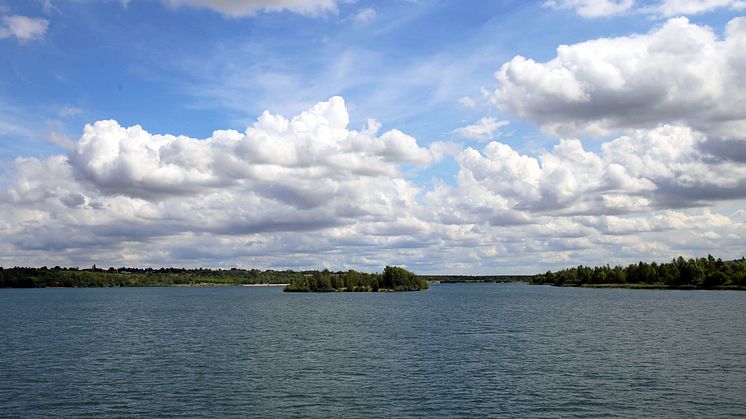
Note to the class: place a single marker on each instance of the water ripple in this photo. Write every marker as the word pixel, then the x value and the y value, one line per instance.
pixel 452 351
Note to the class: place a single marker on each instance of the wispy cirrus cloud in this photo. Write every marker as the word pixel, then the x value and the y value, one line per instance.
pixel 670 8
pixel 663 8
pixel 485 129
pixel 593 8
pixel 364 15
pixel 23 28
pixel 232 8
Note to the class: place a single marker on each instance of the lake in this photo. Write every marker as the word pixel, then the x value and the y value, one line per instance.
pixel 456 350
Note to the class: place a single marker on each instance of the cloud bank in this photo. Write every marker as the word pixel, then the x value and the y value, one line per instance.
pixel 308 191
pixel 281 176
pixel 641 172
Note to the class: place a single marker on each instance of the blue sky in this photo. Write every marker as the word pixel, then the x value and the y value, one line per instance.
pixel 512 136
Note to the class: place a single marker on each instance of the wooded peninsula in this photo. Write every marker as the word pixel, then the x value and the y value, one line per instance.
pixel 680 273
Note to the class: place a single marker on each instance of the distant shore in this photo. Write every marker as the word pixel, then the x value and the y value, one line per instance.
pixel 264 285
pixel 214 284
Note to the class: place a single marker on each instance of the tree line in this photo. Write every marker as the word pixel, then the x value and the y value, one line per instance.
pixel 392 279
pixel 24 277
pixel 706 273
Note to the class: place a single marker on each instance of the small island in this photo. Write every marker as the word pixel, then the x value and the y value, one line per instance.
pixel 392 279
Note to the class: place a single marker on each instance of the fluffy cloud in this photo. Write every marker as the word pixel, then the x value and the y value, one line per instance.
pixel 593 8
pixel 487 128
pixel 663 221
pixel 313 146
pixel 644 171
pixel 635 198
pixel 308 192
pixel 23 28
pixel 279 181
pixel 679 73
pixel 234 8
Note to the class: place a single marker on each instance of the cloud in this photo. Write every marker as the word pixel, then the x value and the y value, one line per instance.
pixel 679 73
pixel 692 7
pixel 593 8
pixel 467 102
pixel 663 221
pixel 666 8
pixel 314 145
pixel 233 8
pixel 61 140
pixel 364 16
pixel 487 128
pixel 69 111
pixel 306 192
pixel 644 171
pixel 121 188
pixel 24 28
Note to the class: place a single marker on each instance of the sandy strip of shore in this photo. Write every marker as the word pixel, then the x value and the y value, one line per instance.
pixel 265 285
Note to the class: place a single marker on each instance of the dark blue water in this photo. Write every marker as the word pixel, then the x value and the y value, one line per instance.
pixel 454 350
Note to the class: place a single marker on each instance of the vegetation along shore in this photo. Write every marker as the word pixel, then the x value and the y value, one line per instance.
pixel 680 273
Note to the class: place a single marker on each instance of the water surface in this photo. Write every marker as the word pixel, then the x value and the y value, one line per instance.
pixel 461 350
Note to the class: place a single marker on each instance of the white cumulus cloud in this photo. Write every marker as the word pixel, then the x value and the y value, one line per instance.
pixel 313 145
pixel 679 73
pixel 282 181
pixel 644 171
pixel 308 192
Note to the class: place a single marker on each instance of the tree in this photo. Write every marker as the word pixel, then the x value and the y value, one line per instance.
pixel 400 279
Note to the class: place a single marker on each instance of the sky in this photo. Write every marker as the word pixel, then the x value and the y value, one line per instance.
pixel 470 137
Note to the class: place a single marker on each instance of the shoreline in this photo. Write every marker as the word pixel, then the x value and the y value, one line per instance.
pixel 648 287
pixel 264 285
